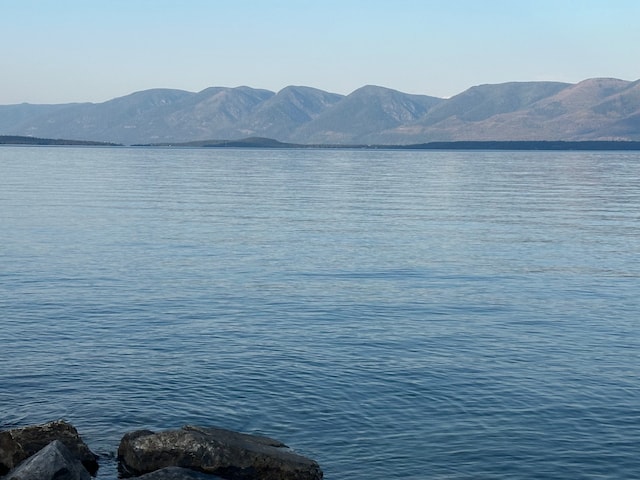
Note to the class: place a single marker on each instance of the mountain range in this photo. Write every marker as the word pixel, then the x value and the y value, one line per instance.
pixel 594 109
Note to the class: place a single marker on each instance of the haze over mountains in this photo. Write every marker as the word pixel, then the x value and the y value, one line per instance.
pixel 594 109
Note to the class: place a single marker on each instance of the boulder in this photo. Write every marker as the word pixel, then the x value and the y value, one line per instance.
pixel 227 454
pixel 177 473
pixel 53 462
pixel 19 444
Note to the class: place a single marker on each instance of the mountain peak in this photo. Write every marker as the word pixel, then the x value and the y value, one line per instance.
pixel 594 109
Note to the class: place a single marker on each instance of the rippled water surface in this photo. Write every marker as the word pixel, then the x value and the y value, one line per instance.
pixel 391 314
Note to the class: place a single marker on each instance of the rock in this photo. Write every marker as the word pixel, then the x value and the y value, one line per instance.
pixel 230 455
pixel 53 462
pixel 19 444
pixel 177 473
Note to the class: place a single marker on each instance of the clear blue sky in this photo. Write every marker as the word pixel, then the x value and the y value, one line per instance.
pixel 57 51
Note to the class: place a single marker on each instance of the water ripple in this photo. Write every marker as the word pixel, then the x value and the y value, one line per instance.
pixel 411 315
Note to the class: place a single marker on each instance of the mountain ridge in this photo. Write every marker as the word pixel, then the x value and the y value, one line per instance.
pixel 597 109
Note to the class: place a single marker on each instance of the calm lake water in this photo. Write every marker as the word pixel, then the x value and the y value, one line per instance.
pixel 391 314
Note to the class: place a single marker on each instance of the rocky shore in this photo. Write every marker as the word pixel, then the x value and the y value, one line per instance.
pixel 55 450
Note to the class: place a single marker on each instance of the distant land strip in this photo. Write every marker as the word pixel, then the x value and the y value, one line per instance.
pixel 19 140
pixel 528 145
pixel 259 142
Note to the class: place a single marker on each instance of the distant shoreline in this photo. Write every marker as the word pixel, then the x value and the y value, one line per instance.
pixel 258 142
pixel 20 140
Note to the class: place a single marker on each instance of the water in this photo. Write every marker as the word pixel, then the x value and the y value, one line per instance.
pixel 393 315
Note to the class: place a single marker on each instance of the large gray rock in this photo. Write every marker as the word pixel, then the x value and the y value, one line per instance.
pixel 230 455
pixel 19 444
pixel 53 462
pixel 177 473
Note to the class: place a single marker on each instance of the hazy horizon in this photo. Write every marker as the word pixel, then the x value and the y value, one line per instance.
pixel 74 51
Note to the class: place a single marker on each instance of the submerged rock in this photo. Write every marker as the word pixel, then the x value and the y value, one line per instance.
pixel 53 462
pixel 177 473
pixel 18 444
pixel 230 455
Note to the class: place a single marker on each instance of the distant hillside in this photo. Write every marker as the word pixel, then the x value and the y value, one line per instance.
pixel 251 142
pixel 363 115
pixel 598 109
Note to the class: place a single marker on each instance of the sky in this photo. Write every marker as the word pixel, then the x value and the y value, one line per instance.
pixel 59 51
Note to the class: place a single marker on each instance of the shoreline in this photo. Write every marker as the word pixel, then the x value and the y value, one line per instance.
pixel 268 143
